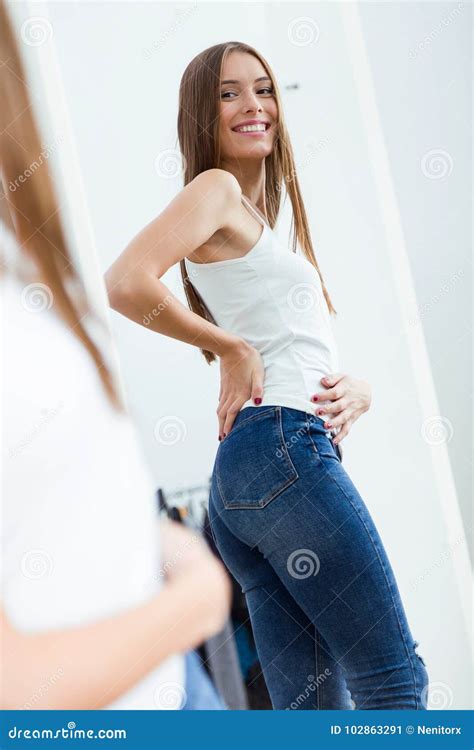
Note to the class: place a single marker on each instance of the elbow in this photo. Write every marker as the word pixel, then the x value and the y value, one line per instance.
pixel 118 291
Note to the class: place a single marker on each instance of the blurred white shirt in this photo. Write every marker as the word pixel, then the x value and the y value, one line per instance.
pixel 80 538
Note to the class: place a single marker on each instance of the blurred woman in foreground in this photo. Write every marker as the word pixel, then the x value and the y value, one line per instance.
pixel 89 619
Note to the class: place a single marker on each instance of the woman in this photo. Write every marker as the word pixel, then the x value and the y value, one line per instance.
pixel 290 525
pixel 88 618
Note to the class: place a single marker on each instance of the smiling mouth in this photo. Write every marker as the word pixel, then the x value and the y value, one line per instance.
pixel 252 129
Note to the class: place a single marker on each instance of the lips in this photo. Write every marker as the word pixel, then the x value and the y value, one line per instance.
pixel 249 124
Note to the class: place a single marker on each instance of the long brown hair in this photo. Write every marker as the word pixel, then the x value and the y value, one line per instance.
pixel 198 135
pixel 32 202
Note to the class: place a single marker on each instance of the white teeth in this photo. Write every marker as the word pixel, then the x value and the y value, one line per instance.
pixel 250 128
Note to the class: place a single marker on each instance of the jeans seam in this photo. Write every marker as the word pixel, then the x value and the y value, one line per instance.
pixel 283 442
pixel 291 480
pixel 335 447
pixel 318 686
pixel 243 422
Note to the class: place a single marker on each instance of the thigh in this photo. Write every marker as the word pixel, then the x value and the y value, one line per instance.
pixel 299 670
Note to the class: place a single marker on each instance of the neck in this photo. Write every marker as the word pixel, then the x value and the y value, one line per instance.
pixel 251 177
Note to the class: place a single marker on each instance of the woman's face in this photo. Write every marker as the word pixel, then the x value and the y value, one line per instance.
pixel 246 99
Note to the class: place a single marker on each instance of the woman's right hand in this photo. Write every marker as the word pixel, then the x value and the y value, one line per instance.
pixel 242 374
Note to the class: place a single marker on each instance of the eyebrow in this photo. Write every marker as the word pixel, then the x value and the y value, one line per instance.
pixel 262 78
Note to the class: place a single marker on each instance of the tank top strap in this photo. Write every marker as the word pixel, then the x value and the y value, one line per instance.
pixel 252 210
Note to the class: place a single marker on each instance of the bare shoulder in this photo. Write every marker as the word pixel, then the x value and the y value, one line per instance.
pixel 218 183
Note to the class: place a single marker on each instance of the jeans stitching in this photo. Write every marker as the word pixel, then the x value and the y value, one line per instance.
pixel 318 687
pixel 283 442
pixel 279 490
pixel 335 447
pixel 249 419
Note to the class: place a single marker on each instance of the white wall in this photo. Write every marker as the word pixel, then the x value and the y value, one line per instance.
pixel 419 54
pixel 121 65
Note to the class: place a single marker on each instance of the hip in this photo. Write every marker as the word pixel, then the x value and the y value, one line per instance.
pixel 268 449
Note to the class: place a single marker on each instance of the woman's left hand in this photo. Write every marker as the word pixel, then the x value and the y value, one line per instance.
pixel 350 398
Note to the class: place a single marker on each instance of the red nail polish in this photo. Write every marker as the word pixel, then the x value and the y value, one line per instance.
pixel 258 400
pixel 320 411
pixel 315 398
pixel 220 437
pixel 225 434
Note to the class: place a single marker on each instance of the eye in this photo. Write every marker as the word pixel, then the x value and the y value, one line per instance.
pixel 224 94
pixel 267 89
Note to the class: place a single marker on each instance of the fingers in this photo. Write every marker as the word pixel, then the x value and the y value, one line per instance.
pixel 343 432
pixel 257 388
pixel 230 416
pixel 221 414
pixel 331 394
pixel 335 388
pixel 335 407
pixel 227 413
pixel 332 378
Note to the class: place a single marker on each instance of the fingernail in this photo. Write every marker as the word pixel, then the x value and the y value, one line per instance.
pixel 220 437
pixel 315 398
pixel 328 424
pixel 258 400
pixel 320 411
pixel 225 434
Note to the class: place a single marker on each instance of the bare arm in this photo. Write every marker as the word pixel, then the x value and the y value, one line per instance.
pixel 135 289
pixel 89 667
pixel 133 281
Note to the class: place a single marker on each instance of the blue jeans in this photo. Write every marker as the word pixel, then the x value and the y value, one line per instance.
pixel 328 621
pixel 200 693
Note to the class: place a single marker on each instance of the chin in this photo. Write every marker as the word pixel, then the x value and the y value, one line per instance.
pixel 250 151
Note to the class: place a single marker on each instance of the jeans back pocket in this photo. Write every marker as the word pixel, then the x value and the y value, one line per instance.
pixel 253 465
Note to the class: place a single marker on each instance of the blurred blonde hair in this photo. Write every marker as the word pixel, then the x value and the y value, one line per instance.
pixel 32 204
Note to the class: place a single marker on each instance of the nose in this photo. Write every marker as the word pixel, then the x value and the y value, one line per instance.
pixel 252 102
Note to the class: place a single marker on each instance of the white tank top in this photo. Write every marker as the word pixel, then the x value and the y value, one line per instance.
pixel 273 298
